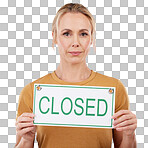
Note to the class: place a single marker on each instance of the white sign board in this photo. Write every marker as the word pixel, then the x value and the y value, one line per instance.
pixel 73 105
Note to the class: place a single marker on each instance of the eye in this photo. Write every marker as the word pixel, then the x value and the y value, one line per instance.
pixel 66 33
pixel 84 34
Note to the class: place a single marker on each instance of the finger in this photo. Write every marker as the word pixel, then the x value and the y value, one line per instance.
pixel 25 130
pixel 122 118
pixel 125 123
pixel 34 130
pixel 23 125
pixel 129 127
pixel 119 113
pixel 24 119
pixel 28 115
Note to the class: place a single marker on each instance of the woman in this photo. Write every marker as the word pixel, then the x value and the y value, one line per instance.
pixel 73 31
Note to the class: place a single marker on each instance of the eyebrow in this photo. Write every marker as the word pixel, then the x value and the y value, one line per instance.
pixel 79 30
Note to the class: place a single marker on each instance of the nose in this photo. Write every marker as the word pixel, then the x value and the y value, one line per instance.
pixel 75 42
pixel 75 45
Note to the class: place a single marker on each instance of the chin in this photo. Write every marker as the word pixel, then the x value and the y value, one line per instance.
pixel 75 61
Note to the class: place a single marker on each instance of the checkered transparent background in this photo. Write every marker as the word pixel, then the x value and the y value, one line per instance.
pixel 26 53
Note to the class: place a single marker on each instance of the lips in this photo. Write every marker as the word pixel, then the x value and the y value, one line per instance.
pixel 75 53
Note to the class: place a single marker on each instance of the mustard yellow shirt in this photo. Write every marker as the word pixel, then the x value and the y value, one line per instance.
pixel 73 137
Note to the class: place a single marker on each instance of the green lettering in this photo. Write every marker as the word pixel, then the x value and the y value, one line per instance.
pixel 62 105
pixel 52 107
pixel 79 106
pixel 89 107
pixel 98 107
pixel 40 105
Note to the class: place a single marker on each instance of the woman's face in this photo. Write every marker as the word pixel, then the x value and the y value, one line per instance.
pixel 74 37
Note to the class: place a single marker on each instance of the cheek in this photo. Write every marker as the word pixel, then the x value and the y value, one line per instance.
pixel 86 44
pixel 63 43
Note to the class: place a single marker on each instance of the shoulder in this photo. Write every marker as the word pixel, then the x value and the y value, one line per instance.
pixel 121 96
pixel 107 80
pixel 42 80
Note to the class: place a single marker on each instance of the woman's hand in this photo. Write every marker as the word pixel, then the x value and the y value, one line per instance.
pixel 126 121
pixel 25 127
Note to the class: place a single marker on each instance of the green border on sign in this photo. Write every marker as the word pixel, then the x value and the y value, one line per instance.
pixel 74 125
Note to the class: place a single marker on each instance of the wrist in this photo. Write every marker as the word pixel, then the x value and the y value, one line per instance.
pixel 131 135
pixel 24 141
pixel 27 143
pixel 128 141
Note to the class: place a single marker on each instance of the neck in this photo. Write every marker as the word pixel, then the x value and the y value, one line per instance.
pixel 73 72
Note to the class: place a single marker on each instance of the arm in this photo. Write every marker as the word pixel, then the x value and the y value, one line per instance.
pixel 128 142
pixel 125 121
pixel 124 129
pixel 123 141
pixel 22 143
pixel 25 131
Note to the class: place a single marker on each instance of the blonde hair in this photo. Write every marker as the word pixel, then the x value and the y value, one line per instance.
pixel 73 8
